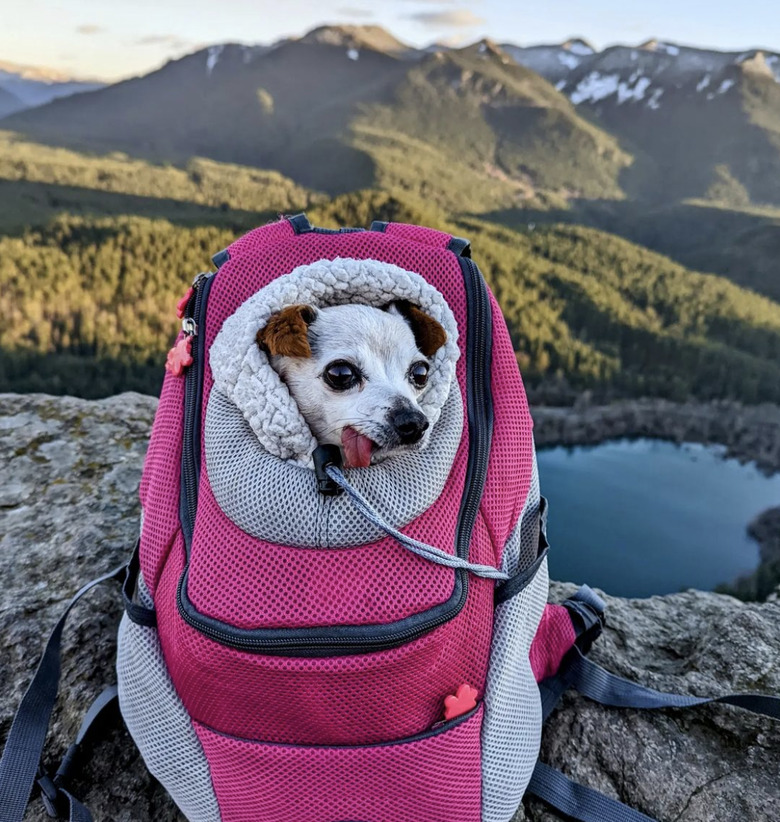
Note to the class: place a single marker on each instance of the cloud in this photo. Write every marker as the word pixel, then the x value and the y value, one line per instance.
pixel 172 40
pixel 457 18
pixel 354 11
pixel 453 41
pixel 89 28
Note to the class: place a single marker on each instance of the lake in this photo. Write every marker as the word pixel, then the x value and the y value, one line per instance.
pixel 643 517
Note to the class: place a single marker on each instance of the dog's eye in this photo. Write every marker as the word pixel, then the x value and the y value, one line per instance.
pixel 341 375
pixel 418 374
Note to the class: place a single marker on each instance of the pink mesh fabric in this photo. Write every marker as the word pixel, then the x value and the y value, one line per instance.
pixel 418 234
pixel 512 455
pixel 215 573
pixel 554 637
pixel 434 779
pixel 264 585
pixel 263 235
pixel 160 481
pixel 358 699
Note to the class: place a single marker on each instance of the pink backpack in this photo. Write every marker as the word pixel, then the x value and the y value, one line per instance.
pixel 303 643
pixel 304 659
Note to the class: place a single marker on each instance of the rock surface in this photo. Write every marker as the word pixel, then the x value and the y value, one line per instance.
pixel 68 512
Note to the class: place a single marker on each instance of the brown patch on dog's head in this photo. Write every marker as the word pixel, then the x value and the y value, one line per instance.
pixel 429 334
pixel 287 332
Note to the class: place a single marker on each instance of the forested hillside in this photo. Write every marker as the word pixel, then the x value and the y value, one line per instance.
pixel 123 194
pixel 88 299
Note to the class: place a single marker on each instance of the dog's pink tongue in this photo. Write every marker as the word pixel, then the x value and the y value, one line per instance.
pixel 357 448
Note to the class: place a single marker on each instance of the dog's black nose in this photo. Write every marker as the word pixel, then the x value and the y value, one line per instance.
pixel 409 424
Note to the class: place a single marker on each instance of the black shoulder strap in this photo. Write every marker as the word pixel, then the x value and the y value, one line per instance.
pixel 576 801
pixel 597 684
pixel 21 757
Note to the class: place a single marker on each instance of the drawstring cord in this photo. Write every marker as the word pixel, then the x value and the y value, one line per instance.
pixel 428 552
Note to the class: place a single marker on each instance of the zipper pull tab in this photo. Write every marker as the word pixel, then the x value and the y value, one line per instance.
pixel 461 702
pixel 180 356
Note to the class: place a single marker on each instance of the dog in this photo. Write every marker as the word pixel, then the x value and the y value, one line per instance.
pixel 357 374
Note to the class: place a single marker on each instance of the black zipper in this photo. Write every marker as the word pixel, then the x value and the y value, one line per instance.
pixel 438 729
pixel 353 639
pixel 194 316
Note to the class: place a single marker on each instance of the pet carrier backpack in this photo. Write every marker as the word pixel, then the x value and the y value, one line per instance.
pixel 306 643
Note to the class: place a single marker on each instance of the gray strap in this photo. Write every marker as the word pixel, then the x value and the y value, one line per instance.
pixel 595 683
pixel 577 801
pixel 428 552
pixel 76 811
pixel 22 754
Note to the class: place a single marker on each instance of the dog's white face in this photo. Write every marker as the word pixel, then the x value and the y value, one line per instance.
pixel 357 374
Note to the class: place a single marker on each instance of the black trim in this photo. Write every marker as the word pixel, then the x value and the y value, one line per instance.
pixel 339 640
pixel 379 225
pixel 220 258
pixel 437 729
pixel 460 246
pixel 300 223
pixel 354 639
pixel 136 612
pixel 517 583
pixel 193 399
pixel 318 230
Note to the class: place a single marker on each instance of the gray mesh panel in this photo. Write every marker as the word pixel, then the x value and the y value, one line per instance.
pixel 512 725
pixel 159 723
pixel 255 489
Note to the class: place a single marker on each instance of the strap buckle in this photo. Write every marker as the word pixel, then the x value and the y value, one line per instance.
pixel 50 793
pixel 586 609
pixel 324 457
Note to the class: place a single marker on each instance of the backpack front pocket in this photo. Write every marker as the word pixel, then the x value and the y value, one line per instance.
pixel 431 777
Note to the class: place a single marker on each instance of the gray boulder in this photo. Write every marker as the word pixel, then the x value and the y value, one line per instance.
pixel 69 511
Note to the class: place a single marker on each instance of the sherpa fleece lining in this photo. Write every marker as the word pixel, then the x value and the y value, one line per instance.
pixel 242 372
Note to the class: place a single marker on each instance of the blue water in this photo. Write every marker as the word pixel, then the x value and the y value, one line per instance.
pixel 643 517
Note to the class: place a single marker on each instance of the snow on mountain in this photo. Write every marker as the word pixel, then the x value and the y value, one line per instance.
pixel 640 74
pixel 553 62
pixel 212 57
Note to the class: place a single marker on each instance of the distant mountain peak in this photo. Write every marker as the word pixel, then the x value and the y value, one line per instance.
pixel 660 47
pixel 356 37
pixel 42 74
pixel 487 48
pixel 579 46
pixel 758 63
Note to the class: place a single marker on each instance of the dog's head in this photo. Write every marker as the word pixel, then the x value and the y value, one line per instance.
pixel 356 373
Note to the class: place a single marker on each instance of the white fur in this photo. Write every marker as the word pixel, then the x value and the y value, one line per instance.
pixel 243 373
pixel 381 345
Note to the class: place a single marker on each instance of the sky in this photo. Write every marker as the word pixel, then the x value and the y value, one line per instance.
pixel 111 39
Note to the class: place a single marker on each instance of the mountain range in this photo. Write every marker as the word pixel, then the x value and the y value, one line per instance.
pixel 501 125
pixel 697 121
pixel 540 156
pixel 24 87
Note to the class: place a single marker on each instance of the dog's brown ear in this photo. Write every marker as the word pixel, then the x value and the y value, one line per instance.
pixel 287 332
pixel 429 334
